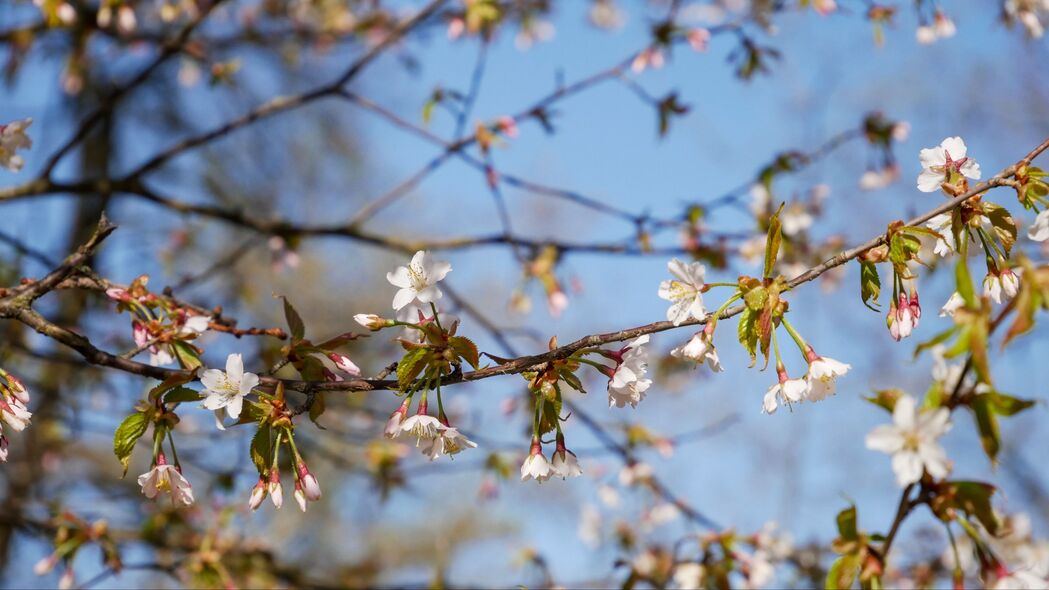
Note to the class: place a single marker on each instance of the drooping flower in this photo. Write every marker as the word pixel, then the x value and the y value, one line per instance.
pixel 1003 281
pixel 821 375
pixel 13 138
pixel 258 494
pixel 565 464
pixel 685 292
pixel 166 479
pixel 421 426
pixel 536 466
pixel 393 425
pixel 942 225
pixel 627 384
pixel 689 576
pixel 902 320
pixel 1020 580
pixel 912 441
pixel 275 489
pixel 449 441
pixel 699 348
pixel 938 163
pixel 310 487
pixel 786 390
pixel 953 304
pixel 418 281
pixel 227 389
pixel 1039 230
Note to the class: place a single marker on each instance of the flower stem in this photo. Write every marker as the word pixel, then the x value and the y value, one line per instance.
pixel 437 320
pixel 802 345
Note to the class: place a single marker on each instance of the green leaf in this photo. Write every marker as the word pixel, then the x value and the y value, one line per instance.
pixel 317 408
pixel 465 348
pixel 756 298
pixel 843 572
pixel 885 398
pixel 295 325
pixel 172 382
pixel 126 435
pixel 964 282
pixel 1003 225
pixel 971 497
pixel 987 426
pixel 181 394
pixel 772 241
pixel 1007 405
pixel 333 343
pixel 748 333
pixel 262 448
pixel 410 365
pixel 187 355
pixel 847 527
pixel 870 284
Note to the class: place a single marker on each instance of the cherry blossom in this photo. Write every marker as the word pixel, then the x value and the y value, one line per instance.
pixel 953 304
pixel 912 441
pixel 822 374
pixel 449 441
pixel 226 389
pixel 938 162
pixel 166 479
pixel 1004 281
pixel 699 348
pixel 418 281
pixel 13 138
pixel 536 466
pixel 685 291
pixel 627 384
pixel 1039 230
pixel 786 390
pixel 421 426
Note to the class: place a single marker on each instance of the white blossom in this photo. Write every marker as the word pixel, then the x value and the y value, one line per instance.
pixel 449 441
pixel 685 291
pixel 700 349
pixel 418 281
pixel 953 304
pixel 165 479
pixel 938 162
pixel 1021 580
pixel 13 138
pixel 422 427
pixel 227 389
pixel 565 464
pixel 689 576
pixel 795 219
pixel 821 375
pixel 786 390
pixel 536 467
pixel 1039 230
pixel 912 441
pixel 628 385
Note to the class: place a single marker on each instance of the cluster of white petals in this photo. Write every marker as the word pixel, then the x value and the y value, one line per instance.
pixel 685 291
pixel 628 384
pixel 418 281
pixel 912 440
pixel 13 138
pixel 938 162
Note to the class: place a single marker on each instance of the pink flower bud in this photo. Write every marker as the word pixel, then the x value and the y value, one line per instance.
pixel 258 494
pixel 45 565
pixel 299 496
pixel 118 294
pixel 311 487
pixel 275 490
pixel 67 580
pixel 344 364
pixel 17 388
